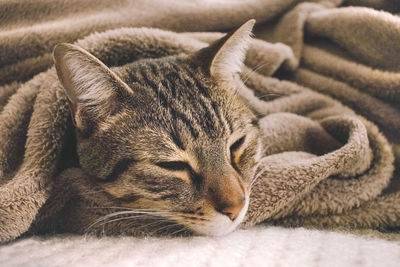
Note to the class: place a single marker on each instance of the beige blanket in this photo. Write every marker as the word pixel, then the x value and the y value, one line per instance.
pixel 322 77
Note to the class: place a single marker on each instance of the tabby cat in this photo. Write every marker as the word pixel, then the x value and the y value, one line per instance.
pixel 167 135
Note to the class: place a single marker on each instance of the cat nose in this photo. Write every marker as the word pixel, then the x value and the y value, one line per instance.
pixel 226 193
pixel 232 209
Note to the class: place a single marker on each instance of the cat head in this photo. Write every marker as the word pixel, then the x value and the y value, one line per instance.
pixel 169 134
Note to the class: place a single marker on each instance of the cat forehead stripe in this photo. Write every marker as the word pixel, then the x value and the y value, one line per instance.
pixel 170 95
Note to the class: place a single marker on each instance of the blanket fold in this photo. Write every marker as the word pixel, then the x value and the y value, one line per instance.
pixel 322 77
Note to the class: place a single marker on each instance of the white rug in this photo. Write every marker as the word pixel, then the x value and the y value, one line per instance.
pixel 260 246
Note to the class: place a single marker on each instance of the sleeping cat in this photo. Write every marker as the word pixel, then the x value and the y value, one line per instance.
pixel 166 137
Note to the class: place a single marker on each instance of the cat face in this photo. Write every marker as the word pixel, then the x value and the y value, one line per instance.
pixel 168 134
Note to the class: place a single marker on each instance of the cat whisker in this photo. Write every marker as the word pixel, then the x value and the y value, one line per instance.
pixel 242 84
pixel 168 223
pixel 247 75
pixel 140 216
pixel 131 211
pixel 129 218
pixel 152 223
pixel 269 95
pixel 166 227
pixel 180 231
pixel 110 207
pixel 138 213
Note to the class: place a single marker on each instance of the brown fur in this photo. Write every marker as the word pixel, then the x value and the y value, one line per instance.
pixel 323 164
pixel 168 135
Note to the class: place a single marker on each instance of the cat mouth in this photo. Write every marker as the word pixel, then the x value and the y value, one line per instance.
pixel 218 224
pixel 157 223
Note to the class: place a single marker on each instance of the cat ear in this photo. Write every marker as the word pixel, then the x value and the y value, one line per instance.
pixel 224 58
pixel 92 89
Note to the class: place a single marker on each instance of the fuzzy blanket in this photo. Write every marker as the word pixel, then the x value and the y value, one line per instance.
pixel 259 246
pixel 321 76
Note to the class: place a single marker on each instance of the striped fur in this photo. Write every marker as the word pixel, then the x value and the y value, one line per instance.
pixel 178 141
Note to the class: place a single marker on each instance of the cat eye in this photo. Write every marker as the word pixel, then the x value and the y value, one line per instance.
pixel 235 146
pixel 182 166
pixel 174 165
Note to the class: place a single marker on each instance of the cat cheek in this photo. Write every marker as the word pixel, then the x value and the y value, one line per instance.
pixel 212 223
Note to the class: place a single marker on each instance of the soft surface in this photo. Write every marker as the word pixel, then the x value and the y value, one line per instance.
pixel 260 246
pixel 327 98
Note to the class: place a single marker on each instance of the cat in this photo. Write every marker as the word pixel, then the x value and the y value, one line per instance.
pixel 168 137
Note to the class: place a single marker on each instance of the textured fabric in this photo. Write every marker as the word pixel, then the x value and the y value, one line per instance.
pixel 259 246
pixel 326 95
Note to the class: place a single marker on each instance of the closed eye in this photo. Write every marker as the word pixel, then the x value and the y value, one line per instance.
pixel 174 165
pixel 234 147
pixel 182 166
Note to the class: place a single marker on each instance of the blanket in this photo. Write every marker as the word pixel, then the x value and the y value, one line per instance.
pixel 258 246
pixel 321 76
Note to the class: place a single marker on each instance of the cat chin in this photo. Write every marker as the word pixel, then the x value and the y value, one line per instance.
pixel 220 224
